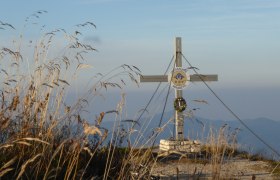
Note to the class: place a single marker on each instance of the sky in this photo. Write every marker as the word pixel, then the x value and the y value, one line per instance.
pixel 238 40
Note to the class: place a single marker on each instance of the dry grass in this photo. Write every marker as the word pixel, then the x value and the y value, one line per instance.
pixel 43 137
pixel 219 149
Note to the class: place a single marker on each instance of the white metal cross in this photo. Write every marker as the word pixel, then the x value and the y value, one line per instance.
pixel 179 117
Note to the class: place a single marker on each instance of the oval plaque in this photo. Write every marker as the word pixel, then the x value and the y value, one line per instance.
pixel 179 78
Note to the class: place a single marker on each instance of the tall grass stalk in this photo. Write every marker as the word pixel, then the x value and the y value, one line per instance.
pixel 221 146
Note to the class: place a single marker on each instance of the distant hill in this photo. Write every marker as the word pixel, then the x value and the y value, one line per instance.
pixel 199 128
pixel 267 129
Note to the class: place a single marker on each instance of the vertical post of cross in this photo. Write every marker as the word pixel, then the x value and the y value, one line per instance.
pixel 179 118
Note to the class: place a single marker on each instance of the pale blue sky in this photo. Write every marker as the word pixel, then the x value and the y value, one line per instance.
pixel 237 39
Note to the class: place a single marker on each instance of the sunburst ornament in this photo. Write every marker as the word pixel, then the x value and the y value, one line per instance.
pixel 180 104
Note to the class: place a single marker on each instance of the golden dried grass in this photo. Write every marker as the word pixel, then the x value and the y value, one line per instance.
pixel 41 136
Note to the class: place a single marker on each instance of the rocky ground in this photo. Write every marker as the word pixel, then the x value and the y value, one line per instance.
pixel 236 168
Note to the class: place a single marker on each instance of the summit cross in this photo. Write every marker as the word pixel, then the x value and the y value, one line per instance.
pixel 178 85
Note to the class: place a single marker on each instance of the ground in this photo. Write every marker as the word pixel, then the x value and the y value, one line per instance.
pixel 235 168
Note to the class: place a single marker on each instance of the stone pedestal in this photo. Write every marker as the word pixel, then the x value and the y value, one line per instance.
pixel 185 146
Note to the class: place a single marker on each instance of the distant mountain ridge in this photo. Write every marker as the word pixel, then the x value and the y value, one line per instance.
pixel 267 129
pixel 199 128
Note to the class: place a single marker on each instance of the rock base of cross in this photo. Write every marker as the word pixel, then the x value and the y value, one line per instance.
pixel 185 146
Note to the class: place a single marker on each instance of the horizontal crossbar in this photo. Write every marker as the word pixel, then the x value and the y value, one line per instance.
pixel 154 78
pixel 201 77
pixel 164 78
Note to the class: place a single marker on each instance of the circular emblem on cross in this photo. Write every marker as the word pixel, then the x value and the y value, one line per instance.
pixel 179 78
pixel 180 104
